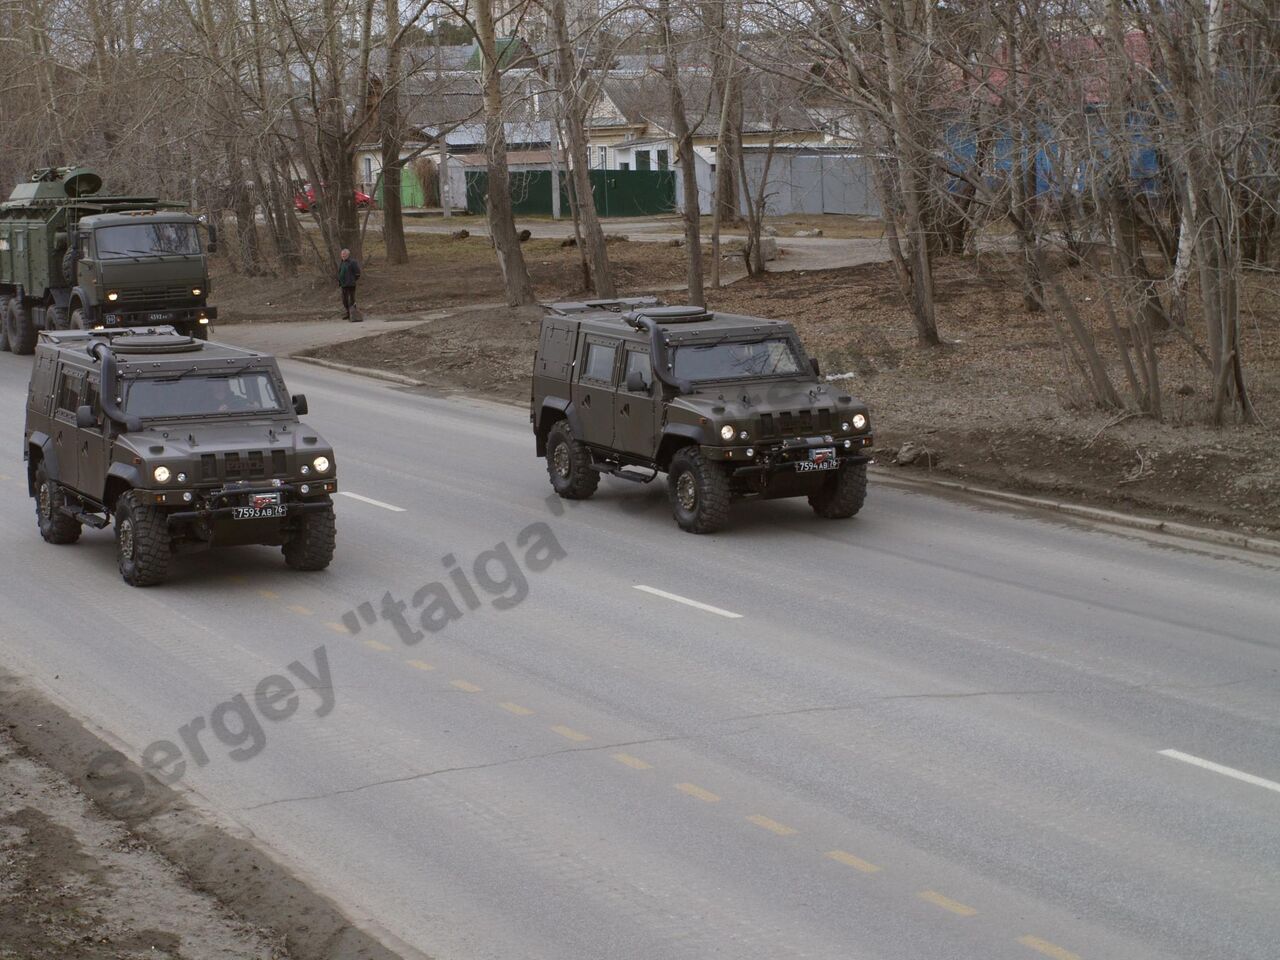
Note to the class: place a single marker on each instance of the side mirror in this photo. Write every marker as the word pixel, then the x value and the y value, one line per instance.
pixel 85 418
pixel 300 404
pixel 813 362
pixel 636 382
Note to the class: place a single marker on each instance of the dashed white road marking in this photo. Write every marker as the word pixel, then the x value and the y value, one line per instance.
pixel 1219 768
pixel 696 604
pixel 372 502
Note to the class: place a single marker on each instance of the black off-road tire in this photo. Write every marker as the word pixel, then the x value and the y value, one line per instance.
pixel 843 495
pixel 19 328
pixel 76 320
pixel 699 492
pixel 569 464
pixel 143 545
pixel 312 543
pixel 56 317
pixel 4 326
pixel 55 526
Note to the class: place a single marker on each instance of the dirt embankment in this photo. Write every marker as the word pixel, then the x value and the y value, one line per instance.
pixel 997 406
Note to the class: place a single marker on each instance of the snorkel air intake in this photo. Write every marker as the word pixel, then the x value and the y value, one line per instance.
pixel 650 321
pixel 110 387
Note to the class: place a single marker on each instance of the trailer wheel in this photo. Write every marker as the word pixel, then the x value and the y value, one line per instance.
pixel 19 328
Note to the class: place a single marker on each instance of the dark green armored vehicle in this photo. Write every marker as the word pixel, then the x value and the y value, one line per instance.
pixel 184 443
pixel 70 259
pixel 729 407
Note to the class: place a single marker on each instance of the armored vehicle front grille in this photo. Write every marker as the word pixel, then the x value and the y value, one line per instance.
pixel 279 463
pixel 798 423
pixel 208 466
pixel 250 465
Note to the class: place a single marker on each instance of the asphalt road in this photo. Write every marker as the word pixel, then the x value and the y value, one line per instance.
pixel 930 732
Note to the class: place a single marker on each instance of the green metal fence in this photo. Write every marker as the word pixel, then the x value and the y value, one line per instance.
pixel 617 193
pixel 411 192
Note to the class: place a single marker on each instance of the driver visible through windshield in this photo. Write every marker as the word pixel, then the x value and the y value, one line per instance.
pixel 736 360
pixel 189 396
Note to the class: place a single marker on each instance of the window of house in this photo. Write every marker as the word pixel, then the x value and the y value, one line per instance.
pixel 599 365
pixel 663 159
pixel 368 170
pixel 624 165
pixel 604 158
pixel 643 159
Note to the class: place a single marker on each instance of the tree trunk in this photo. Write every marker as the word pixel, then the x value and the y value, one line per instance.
pixel 502 225
pixel 573 109
pixel 392 135
pixel 687 159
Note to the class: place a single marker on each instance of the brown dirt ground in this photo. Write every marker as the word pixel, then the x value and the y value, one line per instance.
pixel 996 407
pixel 441 273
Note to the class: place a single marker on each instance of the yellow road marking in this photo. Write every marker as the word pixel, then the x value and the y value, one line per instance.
pixel 268 595
pixel 464 686
pixel 339 628
pixel 1047 948
pixel 376 645
pixel 420 664
pixel 781 829
pixel 570 734
pixel 946 903
pixel 849 860
pixel 635 763
pixel 299 609
pixel 515 708
pixel 693 790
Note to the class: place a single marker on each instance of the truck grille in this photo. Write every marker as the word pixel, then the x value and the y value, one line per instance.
pixel 798 423
pixel 146 296
pixel 250 465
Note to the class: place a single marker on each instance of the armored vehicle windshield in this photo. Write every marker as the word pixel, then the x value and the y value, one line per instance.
pixel 150 239
pixel 736 360
pixel 190 395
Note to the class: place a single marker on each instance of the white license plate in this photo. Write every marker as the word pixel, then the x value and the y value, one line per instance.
pixel 809 466
pixel 258 513
pixel 161 317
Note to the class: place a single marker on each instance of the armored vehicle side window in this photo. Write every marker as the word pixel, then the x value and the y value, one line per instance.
pixel 92 399
pixel 638 362
pixel 69 392
pixel 600 358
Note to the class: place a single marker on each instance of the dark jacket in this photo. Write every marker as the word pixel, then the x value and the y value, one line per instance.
pixel 348 272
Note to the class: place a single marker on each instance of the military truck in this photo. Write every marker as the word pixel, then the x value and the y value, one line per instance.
pixel 186 444
pixel 71 259
pixel 729 407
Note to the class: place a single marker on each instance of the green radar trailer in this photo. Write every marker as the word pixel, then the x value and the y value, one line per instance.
pixel 71 258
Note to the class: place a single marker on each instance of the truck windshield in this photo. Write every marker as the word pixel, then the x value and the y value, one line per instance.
pixel 147 240
pixel 736 360
pixel 210 396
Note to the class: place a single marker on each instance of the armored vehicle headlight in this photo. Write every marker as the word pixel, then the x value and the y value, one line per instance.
pixel 161 474
pixel 113 296
pixel 727 431
pixel 321 464
pixel 859 422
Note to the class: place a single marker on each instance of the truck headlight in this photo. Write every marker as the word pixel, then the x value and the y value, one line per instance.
pixel 321 464
pixel 727 432
pixel 859 422
pixel 161 474
pixel 196 291
pixel 113 296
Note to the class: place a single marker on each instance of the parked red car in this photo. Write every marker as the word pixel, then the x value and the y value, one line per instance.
pixel 304 199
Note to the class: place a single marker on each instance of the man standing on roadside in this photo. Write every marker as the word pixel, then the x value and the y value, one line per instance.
pixel 348 275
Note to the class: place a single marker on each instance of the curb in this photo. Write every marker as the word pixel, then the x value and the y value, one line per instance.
pixel 1150 524
pixel 371 372
pixel 1176 528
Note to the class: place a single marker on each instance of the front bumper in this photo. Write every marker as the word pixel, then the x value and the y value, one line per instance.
pixel 127 316
pixel 196 506
pixel 779 456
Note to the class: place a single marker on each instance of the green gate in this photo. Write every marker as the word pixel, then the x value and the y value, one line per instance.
pixel 618 193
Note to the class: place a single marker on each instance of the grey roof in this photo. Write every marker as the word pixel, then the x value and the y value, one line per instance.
pixel 768 103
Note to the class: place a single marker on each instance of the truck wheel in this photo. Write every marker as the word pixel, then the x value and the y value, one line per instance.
pixel 699 491
pixel 200 331
pixel 19 328
pixel 77 319
pixel 4 327
pixel 312 543
pixel 841 496
pixel 56 317
pixel 55 526
pixel 569 464
pixel 142 541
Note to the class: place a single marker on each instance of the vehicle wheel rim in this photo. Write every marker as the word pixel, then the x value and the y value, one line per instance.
pixel 126 538
pixel 687 492
pixel 46 501
pixel 560 460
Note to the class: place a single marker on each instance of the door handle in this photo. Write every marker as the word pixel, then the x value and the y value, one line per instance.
pixel 586 400
pixel 626 409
